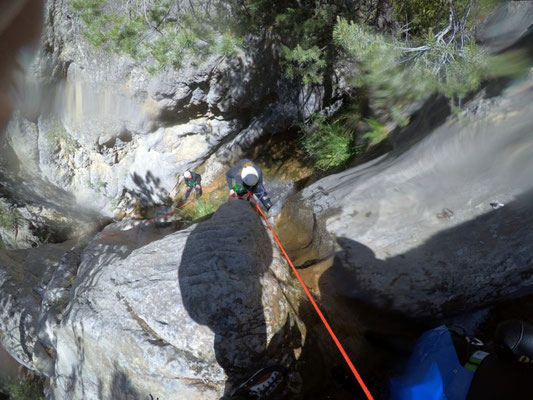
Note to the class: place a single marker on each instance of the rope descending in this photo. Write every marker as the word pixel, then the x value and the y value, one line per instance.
pixel 317 309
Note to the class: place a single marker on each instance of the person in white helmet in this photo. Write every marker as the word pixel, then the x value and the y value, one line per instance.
pixel 246 177
pixel 193 181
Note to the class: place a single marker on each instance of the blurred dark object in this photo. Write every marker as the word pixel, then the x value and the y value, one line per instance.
pixel 401 345
pixel 514 339
pixel 262 385
pixel 499 379
pixel 20 26
pixel 500 376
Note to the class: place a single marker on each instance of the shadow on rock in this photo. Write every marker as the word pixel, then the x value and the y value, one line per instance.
pixel 469 266
pixel 120 387
pixel 460 269
pixel 148 190
pixel 219 277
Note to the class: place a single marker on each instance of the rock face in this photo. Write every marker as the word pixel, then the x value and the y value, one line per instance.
pixel 27 312
pixel 304 237
pixel 440 225
pixel 109 132
pixel 504 27
pixel 189 313
pixel 416 229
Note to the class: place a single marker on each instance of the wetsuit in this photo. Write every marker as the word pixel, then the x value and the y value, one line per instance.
pixel 444 365
pixel 235 182
pixel 191 183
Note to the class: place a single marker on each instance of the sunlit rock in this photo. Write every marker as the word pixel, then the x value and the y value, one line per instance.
pixel 193 312
pixel 415 228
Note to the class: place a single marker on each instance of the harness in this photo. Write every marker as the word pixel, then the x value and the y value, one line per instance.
pixel 260 194
pixel 237 188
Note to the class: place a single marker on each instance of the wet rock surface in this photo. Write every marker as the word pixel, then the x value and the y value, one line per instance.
pixel 304 237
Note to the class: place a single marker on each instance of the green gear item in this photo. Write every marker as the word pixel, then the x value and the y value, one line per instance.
pixel 475 360
pixel 238 188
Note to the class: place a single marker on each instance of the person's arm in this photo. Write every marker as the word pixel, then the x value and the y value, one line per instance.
pixel 230 175
pixel 259 175
pixel 197 178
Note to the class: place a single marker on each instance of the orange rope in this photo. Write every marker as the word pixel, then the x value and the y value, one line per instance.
pixel 332 334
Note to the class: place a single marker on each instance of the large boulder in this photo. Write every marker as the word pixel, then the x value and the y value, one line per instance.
pixel 183 315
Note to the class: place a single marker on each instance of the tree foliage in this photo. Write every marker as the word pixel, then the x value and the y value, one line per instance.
pixel 302 28
pixel 161 33
pixel 169 31
pixel 416 17
pixel 26 388
pixel 329 144
pixel 395 73
pixel 422 47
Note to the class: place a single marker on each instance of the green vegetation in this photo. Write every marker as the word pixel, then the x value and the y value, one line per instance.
pixel 426 48
pixel 43 235
pixel 328 144
pixel 99 186
pixel 199 210
pixel 377 133
pixel 420 16
pixel 228 44
pixel 304 64
pixel 303 31
pixel 417 17
pixel 59 139
pixel 332 143
pixel 165 32
pixel 394 74
pixel 433 53
pixel 11 220
pixel 157 31
pixel 27 388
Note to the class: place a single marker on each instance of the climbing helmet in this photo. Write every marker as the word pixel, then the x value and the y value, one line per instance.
pixel 249 176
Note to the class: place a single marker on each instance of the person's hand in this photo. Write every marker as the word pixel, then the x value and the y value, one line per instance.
pixel 231 192
pixel 198 187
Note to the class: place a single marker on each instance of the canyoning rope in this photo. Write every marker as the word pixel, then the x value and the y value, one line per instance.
pixel 317 309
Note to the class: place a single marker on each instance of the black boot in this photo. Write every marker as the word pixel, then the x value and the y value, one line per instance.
pixel 266 202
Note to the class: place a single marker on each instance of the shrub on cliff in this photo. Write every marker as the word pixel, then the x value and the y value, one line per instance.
pixel 26 388
pixel 165 32
pixel 161 32
pixel 199 210
pixel 394 74
pixel 329 144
